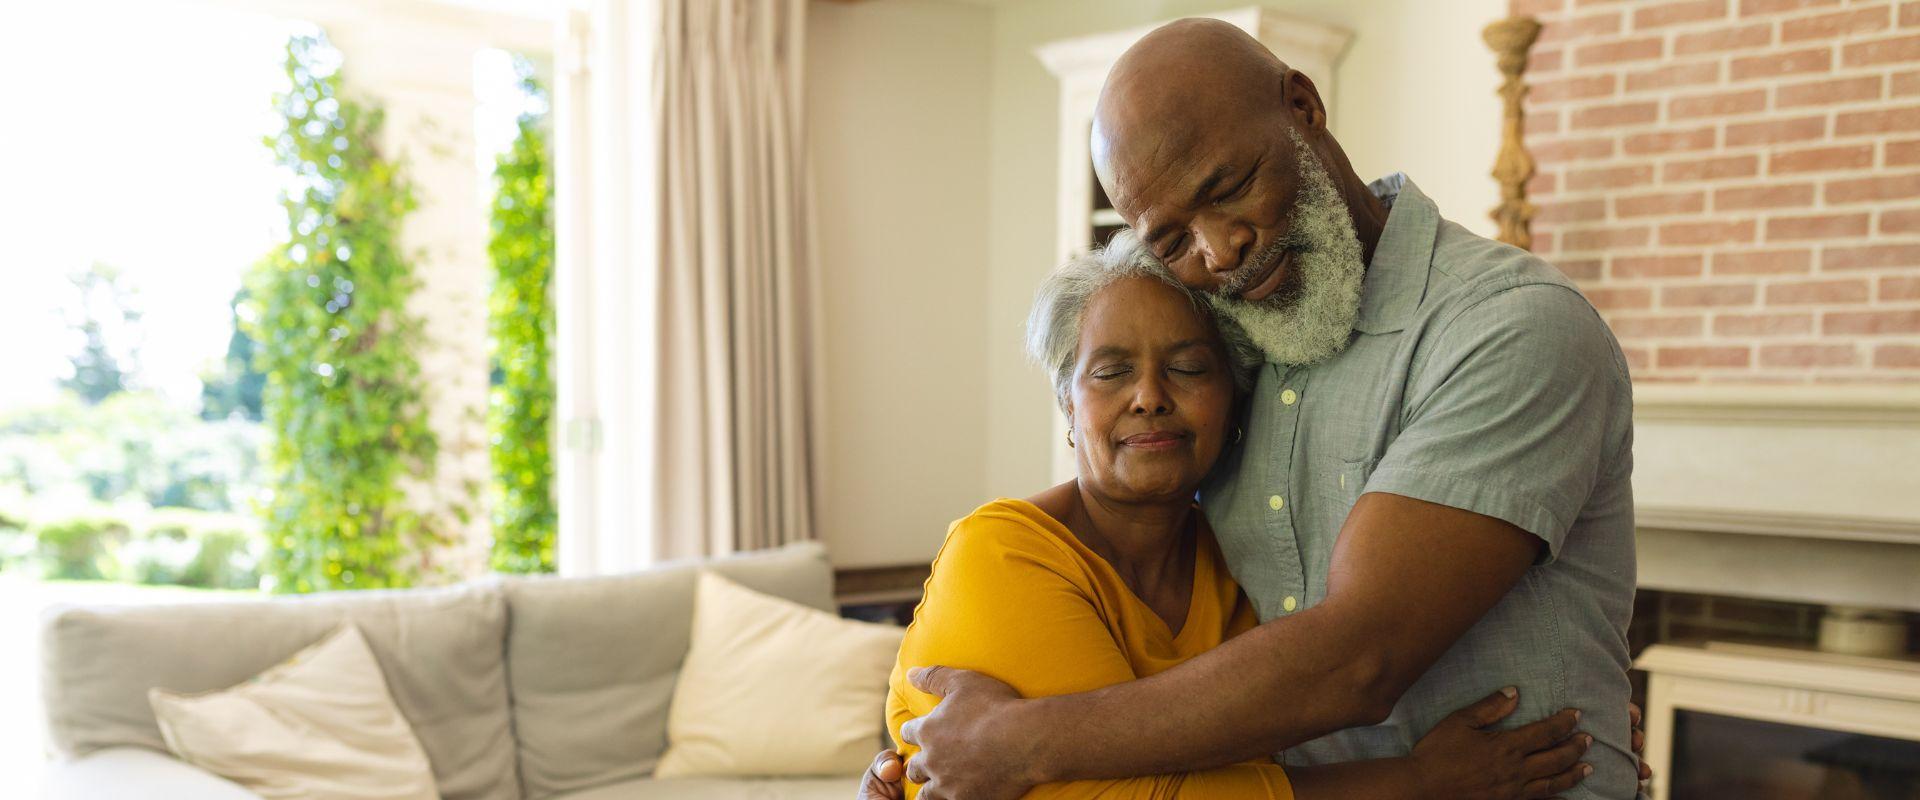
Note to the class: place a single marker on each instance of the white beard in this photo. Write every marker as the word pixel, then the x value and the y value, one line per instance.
pixel 1314 321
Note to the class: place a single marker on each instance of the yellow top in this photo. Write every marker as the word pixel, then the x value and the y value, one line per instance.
pixel 1017 596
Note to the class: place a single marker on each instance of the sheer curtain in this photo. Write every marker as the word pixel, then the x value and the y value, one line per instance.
pixel 692 403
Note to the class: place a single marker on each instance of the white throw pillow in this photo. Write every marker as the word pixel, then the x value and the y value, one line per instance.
pixel 774 688
pixel 320 725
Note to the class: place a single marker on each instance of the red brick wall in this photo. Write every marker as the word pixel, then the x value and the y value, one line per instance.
pixel 1735 183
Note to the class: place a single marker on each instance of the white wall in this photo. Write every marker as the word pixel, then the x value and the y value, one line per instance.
pixel 897 108
pixel 934 131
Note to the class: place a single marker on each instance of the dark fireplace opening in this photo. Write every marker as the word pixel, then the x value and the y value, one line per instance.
pixel 1723 757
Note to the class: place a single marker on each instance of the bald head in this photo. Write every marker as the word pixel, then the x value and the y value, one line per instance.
pixel 1178 81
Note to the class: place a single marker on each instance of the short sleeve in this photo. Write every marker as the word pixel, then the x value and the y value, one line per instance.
pixel 1514 409
pixel 999 594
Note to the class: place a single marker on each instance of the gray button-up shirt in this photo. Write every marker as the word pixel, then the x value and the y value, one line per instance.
pixel 1478 378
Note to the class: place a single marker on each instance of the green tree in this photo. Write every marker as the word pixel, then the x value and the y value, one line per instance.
pixel 234 390
pixel 344 400
pixel 521 325
pixel 103 315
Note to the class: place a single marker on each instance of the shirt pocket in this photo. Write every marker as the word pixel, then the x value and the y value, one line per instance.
pixel 1352 480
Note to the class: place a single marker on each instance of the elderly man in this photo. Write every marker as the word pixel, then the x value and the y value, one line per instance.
pixel 1432 500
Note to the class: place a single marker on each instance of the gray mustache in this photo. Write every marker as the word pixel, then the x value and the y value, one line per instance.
pixel 1255 269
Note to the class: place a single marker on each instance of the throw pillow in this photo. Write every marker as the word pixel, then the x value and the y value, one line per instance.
pixel 320 725
pixel 773 688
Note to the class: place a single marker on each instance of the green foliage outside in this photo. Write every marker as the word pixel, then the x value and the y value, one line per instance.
pixel 343 399
pixel 105 310
pixel 81 547
pixel 134 544
pixel 233 391
pixel 110 481
pixel 520 416
pixel 133 448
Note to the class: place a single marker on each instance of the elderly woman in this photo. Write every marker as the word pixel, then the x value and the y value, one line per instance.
pixel 1115 575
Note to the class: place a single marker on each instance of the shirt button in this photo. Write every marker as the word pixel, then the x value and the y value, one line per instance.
pixel 1289 604
pixel 1276 502
pixel 1289 397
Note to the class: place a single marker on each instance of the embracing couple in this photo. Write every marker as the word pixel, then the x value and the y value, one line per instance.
pixel 1410 567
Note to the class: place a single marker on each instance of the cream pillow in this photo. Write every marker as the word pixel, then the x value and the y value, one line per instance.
pixel 774 688
pixel 320 725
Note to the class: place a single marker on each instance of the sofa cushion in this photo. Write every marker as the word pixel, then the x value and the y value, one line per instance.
pixel 724 789
pixel 439 650
pixel 592 661
pixel 773 688
pixel 321 723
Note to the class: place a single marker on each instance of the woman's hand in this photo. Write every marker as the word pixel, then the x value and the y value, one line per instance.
pixel 1461 758
pixel 882 781
pixel 1638 741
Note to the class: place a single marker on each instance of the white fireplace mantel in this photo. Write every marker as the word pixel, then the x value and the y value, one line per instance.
pixel 1791 492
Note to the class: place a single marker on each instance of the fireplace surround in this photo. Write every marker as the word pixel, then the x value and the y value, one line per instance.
pixel 1767 513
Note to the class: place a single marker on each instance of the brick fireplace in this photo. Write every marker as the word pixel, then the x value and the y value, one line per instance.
pixel 1735 183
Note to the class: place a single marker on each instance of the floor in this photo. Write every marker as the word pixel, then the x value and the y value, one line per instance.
pixel 22 601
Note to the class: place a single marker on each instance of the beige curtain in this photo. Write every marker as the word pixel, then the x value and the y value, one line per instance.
pixel 736 393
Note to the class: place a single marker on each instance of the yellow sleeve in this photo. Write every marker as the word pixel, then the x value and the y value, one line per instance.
pixel 1007 601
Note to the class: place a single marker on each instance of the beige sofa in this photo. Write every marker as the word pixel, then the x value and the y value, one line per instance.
pixel 519 688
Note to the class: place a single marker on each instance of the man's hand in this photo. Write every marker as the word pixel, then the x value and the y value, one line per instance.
pixel 882 781
pixel 965 749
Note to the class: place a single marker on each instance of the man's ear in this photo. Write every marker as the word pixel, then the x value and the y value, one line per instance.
pixel 1303 101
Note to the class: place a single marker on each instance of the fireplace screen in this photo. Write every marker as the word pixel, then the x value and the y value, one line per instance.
pixel 1719 757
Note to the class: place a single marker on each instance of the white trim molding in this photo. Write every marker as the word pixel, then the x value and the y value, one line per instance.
pixel 1799 404
pixel 1799 526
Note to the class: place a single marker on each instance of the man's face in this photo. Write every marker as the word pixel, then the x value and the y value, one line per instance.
pixel 1253 219
pixel 1215 205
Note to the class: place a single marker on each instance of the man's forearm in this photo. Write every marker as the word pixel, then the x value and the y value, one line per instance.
pixel 1343 663
pixel 1183 720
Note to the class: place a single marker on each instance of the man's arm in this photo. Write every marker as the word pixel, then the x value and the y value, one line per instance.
pixel 1408 578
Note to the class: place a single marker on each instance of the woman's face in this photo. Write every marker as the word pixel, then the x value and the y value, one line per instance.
pixel 1152 394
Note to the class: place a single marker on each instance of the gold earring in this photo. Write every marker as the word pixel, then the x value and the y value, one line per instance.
pixel 1069 437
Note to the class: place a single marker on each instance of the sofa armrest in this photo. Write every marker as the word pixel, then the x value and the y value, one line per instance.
pixel 136 773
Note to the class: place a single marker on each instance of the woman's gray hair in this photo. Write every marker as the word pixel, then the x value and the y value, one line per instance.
pixel 1053 326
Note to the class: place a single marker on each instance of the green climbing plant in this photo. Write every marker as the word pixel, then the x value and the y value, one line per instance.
pixel 343 400
pixel 520 414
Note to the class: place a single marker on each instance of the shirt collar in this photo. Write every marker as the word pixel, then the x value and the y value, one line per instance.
pixel 1396 279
